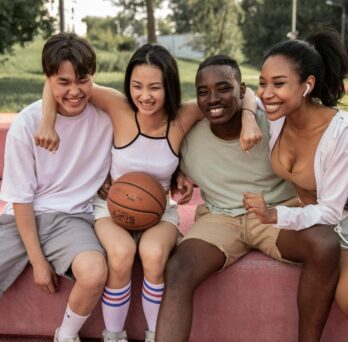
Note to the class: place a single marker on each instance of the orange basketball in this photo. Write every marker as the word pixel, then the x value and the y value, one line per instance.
pixel 136 201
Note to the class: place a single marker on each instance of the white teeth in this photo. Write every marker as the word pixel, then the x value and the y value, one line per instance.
pixel 272 107
pixel 74 100
pixel 216 110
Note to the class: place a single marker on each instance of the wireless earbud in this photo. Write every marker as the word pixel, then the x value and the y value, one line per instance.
pixel 308 87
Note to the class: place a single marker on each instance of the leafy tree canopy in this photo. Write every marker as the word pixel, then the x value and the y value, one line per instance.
pixel 21 20
pixel 267 22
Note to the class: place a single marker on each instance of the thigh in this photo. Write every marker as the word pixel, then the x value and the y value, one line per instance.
pixel 13 256
pixel 342 286
pixel 224 232
pixel 262 236
pixel 160 239
pixel 193 261
pixel 113 237
pixel 64 236
pixel 298 245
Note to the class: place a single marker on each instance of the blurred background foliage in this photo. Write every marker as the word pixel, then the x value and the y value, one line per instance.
pixel 244 29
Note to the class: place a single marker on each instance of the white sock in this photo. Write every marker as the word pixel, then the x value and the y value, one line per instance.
pixel 152 297
pixel 71 324
pixel 115 306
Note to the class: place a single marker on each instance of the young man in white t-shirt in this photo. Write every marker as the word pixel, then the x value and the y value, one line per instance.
pixel 48 219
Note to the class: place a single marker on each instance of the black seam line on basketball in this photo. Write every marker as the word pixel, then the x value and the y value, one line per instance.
pixel 139 187
pixel 138 210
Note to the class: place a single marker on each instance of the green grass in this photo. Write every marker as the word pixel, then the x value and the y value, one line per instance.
pixel 21 78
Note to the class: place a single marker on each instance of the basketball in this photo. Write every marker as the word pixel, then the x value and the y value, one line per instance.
pixel 136 201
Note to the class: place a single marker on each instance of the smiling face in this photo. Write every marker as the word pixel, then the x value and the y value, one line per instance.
pixel 147 89
pixel 280 88
pixel 219 93
pixel 70 91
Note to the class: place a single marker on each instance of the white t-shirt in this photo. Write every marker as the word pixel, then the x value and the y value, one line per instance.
pixel 64 181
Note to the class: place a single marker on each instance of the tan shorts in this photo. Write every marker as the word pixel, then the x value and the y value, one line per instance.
pixel 234 236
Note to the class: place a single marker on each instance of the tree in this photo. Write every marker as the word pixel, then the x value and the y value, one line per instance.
pixel 183 12
pixel 21 20
pixel 267 22
pixel 141 6
pixel 216 23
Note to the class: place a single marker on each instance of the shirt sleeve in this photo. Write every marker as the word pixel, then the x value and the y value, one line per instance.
pixel 19 178
pixel 332 193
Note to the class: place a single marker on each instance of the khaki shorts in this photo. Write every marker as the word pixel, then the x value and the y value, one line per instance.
pixel 234 236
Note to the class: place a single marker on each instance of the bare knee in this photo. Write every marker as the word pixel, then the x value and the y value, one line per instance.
pixel 179 272
pixel 154 260
pixel 323 248
pixel 120 259
pixel 90 270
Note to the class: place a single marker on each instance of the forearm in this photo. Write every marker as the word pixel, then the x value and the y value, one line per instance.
pixel 249 103
pixel 49 107
pixel 26 225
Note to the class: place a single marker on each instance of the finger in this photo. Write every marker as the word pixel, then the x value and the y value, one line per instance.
pixel 55 281
pixel 51 147
pixel 44 288
pixel 252 195
pixel 37 141
pixel 51 287
pixel 179 183
pixel 47 143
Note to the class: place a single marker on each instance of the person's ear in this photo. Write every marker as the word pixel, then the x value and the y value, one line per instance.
pixel 310 83
pixel 306 92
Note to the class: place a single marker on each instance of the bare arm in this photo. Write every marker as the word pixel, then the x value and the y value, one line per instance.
pixel 46 135
pixel 250 133
pixel 44 275
pixel 108 99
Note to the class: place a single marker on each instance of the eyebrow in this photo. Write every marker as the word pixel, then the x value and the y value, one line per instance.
pixel 65 79
pixel 220 83
pixel 275 77
pixel 154 83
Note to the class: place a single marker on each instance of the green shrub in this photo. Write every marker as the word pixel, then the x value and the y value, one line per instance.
pixel 112 61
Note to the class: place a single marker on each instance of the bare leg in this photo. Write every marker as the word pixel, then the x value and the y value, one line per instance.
pixel 193 262
pixel 155 245
pixel 319 251
pixel 342 286
pixel 90 271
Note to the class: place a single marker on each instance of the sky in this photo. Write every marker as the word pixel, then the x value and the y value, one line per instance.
pixel 98 8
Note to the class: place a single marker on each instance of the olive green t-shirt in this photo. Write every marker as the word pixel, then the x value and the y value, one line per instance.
pixel 223 171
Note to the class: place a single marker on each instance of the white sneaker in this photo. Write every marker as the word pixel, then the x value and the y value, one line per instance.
pixel 149 336
pixel 67 339
pixel 120 336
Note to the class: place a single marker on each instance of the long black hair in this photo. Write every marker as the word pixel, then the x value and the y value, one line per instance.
pixel 159 56
pixel 322 55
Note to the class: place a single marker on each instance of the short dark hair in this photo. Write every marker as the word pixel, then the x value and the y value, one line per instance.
pixel 322 55
pixel 153 54
pixel 221 60
pixel 63 47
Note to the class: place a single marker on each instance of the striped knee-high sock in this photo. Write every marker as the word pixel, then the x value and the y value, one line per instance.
pixel 115 305
pixel 152 297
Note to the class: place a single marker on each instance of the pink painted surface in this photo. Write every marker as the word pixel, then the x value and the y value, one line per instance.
pixel 253 300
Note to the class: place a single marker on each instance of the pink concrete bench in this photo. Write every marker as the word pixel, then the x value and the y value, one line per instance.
pixel 253 300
